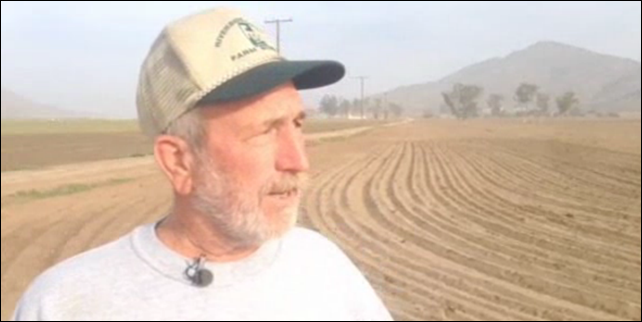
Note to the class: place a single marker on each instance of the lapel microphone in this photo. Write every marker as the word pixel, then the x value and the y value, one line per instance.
pixel 198 274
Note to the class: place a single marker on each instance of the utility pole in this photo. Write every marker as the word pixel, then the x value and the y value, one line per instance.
pixel 363 84
pixel 278 23
pixel 386 107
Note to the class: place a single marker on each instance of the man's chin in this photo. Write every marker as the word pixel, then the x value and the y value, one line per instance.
pixel 284 221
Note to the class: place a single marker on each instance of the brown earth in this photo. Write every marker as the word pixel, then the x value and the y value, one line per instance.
pixel 24 152
pixel 36 148
pixel 483 220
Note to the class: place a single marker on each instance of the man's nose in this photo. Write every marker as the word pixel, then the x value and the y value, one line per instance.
pixel 291 154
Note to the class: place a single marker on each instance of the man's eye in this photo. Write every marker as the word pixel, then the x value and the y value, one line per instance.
pixel 269 131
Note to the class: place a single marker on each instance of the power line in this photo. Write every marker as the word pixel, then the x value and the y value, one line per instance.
pixel 278 23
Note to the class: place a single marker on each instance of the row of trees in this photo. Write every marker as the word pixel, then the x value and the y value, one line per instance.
pixel 335 106
pixel 463 102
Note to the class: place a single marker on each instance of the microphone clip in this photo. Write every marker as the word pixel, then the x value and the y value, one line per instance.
pixel 198 274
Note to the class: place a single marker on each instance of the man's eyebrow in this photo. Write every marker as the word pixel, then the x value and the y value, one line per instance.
pixel 276 121
pixel 302 116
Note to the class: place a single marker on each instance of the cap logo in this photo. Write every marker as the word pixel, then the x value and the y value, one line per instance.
pixel 250 32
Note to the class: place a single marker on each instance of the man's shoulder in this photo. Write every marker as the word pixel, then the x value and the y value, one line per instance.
pixel 326 257
pixel 310 239
pixel 303 243
pixel 82 272
pixel 308 234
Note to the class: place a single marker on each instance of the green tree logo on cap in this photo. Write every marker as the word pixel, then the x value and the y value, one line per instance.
pixel 251 33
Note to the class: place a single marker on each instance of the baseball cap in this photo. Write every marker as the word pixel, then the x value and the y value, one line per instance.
pixel 214 57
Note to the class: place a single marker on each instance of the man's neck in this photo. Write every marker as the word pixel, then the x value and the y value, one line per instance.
pixel 194 240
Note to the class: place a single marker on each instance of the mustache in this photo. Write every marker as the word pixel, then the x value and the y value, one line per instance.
pixel 288 183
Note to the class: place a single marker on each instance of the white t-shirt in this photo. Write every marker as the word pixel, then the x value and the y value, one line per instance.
pixel 302 276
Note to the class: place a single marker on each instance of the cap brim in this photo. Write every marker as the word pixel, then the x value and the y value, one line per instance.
pixel 259 80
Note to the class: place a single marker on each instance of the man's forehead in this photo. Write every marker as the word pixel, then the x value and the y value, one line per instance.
pixel 282 103
pixel 281 112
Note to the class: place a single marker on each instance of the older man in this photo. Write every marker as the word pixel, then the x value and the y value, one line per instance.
pixel 224 111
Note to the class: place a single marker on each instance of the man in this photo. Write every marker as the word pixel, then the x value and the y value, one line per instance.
pixel 224 112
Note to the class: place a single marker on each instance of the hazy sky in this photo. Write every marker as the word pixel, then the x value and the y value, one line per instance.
pixel 86 56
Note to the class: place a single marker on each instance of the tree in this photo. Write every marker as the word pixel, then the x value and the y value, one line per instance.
pixel 386 112
pixel 366 106
pixel 462 100
pixel 543 103
pixel 444 109
pixel 396 110
pixel 452 101
pixel 495 102
pixel 567 102
pixel 525 94
pixel 356 105
pixel 330 105
pixel 377 109
pixel 345 108
pixel 470 96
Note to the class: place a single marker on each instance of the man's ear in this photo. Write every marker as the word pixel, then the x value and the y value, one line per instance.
pixel 177 160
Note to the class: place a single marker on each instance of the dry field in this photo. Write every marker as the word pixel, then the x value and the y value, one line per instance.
pixel 482 220
pixel 31 145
